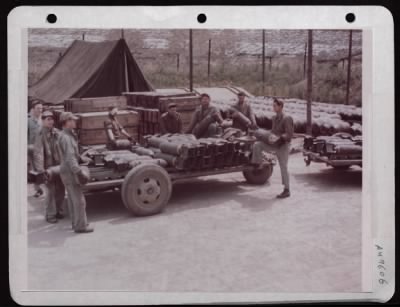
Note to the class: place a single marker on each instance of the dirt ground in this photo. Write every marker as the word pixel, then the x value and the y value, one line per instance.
pixel 217 234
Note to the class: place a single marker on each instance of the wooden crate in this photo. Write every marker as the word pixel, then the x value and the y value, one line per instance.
pixel 154 99
pixel 98 136
pixel 183 103
pixel 95 104
pixel 95 120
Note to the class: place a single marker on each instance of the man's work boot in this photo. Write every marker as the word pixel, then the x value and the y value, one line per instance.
pixel 59 216
pixel 284 194
pixel 51 219
pixel 85 230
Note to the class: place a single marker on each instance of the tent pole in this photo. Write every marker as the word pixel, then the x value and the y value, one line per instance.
pixel 309 81
pixel 190 60
pixel 349 68
pixel 126 74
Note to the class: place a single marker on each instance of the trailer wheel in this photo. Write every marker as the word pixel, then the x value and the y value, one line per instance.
pixel 258 176
pixel 341 167
pixel 146 189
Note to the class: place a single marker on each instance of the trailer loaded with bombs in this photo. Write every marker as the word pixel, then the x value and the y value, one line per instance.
pixel 144 174
pixel 340 150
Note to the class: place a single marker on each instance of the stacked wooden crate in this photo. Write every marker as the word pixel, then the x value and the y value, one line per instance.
pixel 90 126
pixel 93 112
pixel 97 104
pixel 151 105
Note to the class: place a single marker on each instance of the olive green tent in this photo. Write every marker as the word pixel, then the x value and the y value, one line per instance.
pixel 91 69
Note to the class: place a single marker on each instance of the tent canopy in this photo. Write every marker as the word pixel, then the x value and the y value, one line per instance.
pixel 91 69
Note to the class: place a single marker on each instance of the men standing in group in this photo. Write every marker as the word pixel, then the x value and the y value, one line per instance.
pixel 114 130
pixel 242 114
pixel 34 124
pixel 282 126
pixel 72 174
pixel 171 121
pixel 205 119
pixel 46 155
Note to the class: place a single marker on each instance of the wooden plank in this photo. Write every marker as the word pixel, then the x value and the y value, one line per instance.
pixel 183 103
pixel 98 136
pixel 94 104
pixel 95 120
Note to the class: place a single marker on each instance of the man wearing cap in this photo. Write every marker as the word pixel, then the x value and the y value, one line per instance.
pixel 282 127
pixel 242 114
pixel 205 119
pixel 171 121
pixel 114 130
pixel 46 155
pixel 72 174
pixel 34 124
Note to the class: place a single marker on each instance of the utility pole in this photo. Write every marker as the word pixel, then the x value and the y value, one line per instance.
pixel 209 60
pixel 309 82
pixel 263 62
pixel 305 59
pixel 122 33
pixel 177 62
pixel 190 60
pixel 349 67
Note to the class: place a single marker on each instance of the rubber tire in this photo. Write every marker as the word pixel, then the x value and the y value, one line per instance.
pixel 131 182
pixel 341 167
pixel 258 176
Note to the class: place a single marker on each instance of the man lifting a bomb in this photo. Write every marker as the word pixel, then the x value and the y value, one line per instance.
pixel 46 156
pixel 277 140
pixel 205 119
pixel 242 114
pixel 73 175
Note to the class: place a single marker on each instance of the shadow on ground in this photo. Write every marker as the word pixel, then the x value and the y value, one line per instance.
pixel 330 179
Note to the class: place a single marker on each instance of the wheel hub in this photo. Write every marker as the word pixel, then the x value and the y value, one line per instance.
pixel 149 190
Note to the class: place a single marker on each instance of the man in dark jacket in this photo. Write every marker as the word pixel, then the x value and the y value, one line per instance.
pixel 205 119
pixel 72 174
pixel 282 127
pixel 171 121
pixel 46 155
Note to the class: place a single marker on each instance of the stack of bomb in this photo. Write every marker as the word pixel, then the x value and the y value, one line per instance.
pixel 185 152
pixel 327 119
pixel 149 120
pixel 340 146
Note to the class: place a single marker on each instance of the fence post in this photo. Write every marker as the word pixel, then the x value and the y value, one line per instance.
pixel 209 60
pixel 177 62
pixel 305 59
pixel 309 82
pixel 83 36
pixel 349 67
pixel 190 61
pixel 263 62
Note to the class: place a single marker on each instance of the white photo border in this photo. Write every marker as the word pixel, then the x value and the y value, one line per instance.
pixel 378 130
